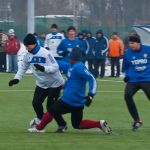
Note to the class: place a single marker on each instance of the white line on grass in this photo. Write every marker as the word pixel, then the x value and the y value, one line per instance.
pixel 33 90
pixel 110 80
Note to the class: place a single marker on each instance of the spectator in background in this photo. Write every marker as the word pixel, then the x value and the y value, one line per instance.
pixel 115 52
pixel 11 47
pixel 63 32
pixel 84 45
pixel 66 45
pixel 84 32
pixel 90 55
pixel 38 40
pixel 101 47
pixel 3 38
pixel 53 39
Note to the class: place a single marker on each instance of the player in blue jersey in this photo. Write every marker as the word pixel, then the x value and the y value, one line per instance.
pixel 73 99
pixel 136 66
pixel 65 47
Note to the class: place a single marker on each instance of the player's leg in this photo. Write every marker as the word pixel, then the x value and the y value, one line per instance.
pixel 118 66
pixel 39 96
pixel 146 88
pixel 112 62
pixel 53 95
pixel 78 123
pixel 102 68
pixel 130 90
pixel 56 112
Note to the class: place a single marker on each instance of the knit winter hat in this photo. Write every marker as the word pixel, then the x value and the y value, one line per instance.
pixel 29 39
pixel 76 53
pixel 134 39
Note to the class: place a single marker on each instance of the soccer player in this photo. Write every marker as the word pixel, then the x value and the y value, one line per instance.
pixel 46 71
pixel 65 47
pixel 136 65
pixel 74 99
pixel 53 39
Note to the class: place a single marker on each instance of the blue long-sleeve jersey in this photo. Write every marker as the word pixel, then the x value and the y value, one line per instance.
pixel 75 86
pixel 66 46
pixel 136 64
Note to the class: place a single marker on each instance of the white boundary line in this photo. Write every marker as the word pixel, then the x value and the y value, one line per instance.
pixel 7 91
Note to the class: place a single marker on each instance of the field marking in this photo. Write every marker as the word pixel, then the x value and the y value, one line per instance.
pixel 7 91
pixel 120 81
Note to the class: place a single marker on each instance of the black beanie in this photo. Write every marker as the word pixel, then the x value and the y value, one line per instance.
pixel 76 53
pixel 134 39
pixel 29 39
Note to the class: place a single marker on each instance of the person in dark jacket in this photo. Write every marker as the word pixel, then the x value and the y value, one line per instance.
pixel 90 56
pixel 101 47
pixel 84 45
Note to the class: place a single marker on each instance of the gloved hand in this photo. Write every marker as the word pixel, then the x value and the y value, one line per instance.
pixel 13 81
pixel 89 99
pixel 126 79
pixel 39 67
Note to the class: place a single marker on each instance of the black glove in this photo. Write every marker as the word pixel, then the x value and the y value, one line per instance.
pixel 39 67
pixel 12 82
pixel 47 48
pixel 89 99
pixel 126 79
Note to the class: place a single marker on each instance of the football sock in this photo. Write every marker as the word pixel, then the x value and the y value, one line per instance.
pixel 47 117
pixel 88 124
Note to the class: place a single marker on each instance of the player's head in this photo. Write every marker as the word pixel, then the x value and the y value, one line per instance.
pixel 54 28
pixel 114 35
pixel 76 54
pixel 134 42
pixel 71 31
pixel 30 42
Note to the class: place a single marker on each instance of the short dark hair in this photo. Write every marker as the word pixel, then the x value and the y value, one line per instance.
pixel 114 33
pixel 54 26
pixel 71 28
pixel 29 40
pixel 134 38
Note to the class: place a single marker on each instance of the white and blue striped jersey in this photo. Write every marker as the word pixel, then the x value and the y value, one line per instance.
pixel 52 41
pixel 51 77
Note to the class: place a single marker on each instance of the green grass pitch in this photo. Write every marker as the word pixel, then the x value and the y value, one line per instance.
pixel 16 112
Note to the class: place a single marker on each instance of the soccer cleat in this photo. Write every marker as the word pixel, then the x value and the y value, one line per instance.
pixel 104 127
pixel 34 122
pixel 136 125
pixel 62 129
pixel 35 130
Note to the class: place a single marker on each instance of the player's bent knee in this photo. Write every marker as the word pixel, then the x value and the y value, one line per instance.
pixel 76 126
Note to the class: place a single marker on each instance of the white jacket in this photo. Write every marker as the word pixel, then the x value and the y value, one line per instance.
pixel 50 78
pixel 52 41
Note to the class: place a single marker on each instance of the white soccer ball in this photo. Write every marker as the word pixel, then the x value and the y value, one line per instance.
pixel 34 122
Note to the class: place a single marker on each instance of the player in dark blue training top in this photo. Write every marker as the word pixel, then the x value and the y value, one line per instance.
pixel 136 65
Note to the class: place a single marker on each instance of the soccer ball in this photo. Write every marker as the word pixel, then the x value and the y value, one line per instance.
pixel 34 122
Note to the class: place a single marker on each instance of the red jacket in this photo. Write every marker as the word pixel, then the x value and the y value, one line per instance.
pixel 12 46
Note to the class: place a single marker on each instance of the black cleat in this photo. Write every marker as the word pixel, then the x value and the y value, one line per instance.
pixel 62 129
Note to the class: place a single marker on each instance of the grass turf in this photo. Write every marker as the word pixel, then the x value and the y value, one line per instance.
pixel 16 112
